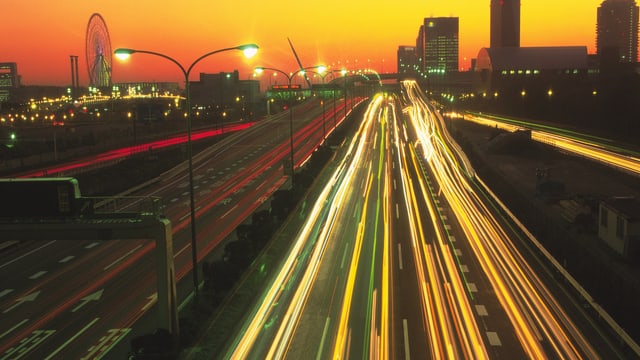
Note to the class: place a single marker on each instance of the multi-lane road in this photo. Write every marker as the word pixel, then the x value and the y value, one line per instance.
pixel 86 299
pixel 402 257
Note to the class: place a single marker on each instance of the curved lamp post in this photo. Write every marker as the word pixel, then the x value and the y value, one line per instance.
pixel 289 77
pixel 322 72
pixel 249 51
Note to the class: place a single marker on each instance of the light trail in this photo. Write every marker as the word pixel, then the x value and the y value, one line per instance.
pixel 534 313
pixel 581 146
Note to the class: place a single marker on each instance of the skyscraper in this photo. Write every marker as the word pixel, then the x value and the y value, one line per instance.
pixel 407 60
pixel 437 45
pixel 617 29
pixel 505 23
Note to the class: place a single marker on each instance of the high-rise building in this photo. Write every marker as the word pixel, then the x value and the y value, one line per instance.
pixel 505 23
pixel 9 79
pixel 617 29
pixel 407 60
pixel 437 45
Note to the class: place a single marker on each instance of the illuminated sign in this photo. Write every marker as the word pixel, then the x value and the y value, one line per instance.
pixel 285 87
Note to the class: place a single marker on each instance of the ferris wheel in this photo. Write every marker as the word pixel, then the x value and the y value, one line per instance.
pixel 98 51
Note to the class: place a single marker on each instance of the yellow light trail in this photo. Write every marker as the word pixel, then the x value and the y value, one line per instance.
pixel 533 312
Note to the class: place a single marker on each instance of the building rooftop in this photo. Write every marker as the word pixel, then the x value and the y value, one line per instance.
pixel 541 58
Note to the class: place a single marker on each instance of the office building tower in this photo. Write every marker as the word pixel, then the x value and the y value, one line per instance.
pixel 407 60
pixel 437 45
pixel 505 23
pixel 617 30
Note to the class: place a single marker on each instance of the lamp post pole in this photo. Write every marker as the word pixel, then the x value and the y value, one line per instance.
pixel 249 50
pixel 289 79
pixel 322 73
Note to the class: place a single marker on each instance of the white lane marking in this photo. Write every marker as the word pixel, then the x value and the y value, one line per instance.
pixel 464 268
pixel 30 297
pixel 394 184
pixel 92 245
pixel 458 252
pixel 27 254
pixel 66 259
pixel 481 310
pixel 472 287
pixel 153 298
pixel 447 226
pixel 227 213
pixel 397 212
pixel 324 336
pixel 181 250
pixel 51 356
pixel 106 343
pixel 494 340
pixel 13 328
pixel 5 292
pixel 405 330
pixel 122 257
pixel 85 300
pixel 28 344
pixel 400 256
pixel 37 275
pixel 452 238
pixel 344 255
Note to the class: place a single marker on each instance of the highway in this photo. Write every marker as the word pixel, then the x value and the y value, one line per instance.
pixel 590 147
pixel 86 299
pixel 402 257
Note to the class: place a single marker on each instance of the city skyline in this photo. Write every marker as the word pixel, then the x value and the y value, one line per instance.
pixel 50 33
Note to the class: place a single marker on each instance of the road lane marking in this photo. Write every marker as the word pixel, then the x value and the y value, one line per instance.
pixel 227 213
pixel 13 328
pixel 493 338
pixel 26 345
pixel 93 297
pixel 27 254
pixel 5 292
pixel 37 275
pixel 153 298
pixel 452 238
pixel 481 310
pixel 397 212
pixel 464 268
pixel 324 336
pixel 92 245
pixel 405 330
pixel 400 256
pixel 66 259
pixel 30 297
pixel 122 257
pixel 71 339
pixel 472 287
pixel 106 343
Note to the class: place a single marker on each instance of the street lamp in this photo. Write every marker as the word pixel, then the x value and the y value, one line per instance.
pixel 322 72
pixel 289 77
pixel 249 51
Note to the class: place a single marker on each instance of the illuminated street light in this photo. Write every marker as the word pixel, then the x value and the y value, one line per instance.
pixel 249 50
pixel 260 70
pixel 322 72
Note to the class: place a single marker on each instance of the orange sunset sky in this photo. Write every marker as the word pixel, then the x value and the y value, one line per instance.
pixel 40 35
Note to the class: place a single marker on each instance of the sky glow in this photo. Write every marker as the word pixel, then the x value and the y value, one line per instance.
pixel 41 35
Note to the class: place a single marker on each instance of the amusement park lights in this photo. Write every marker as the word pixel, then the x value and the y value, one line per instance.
pixel 249 50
